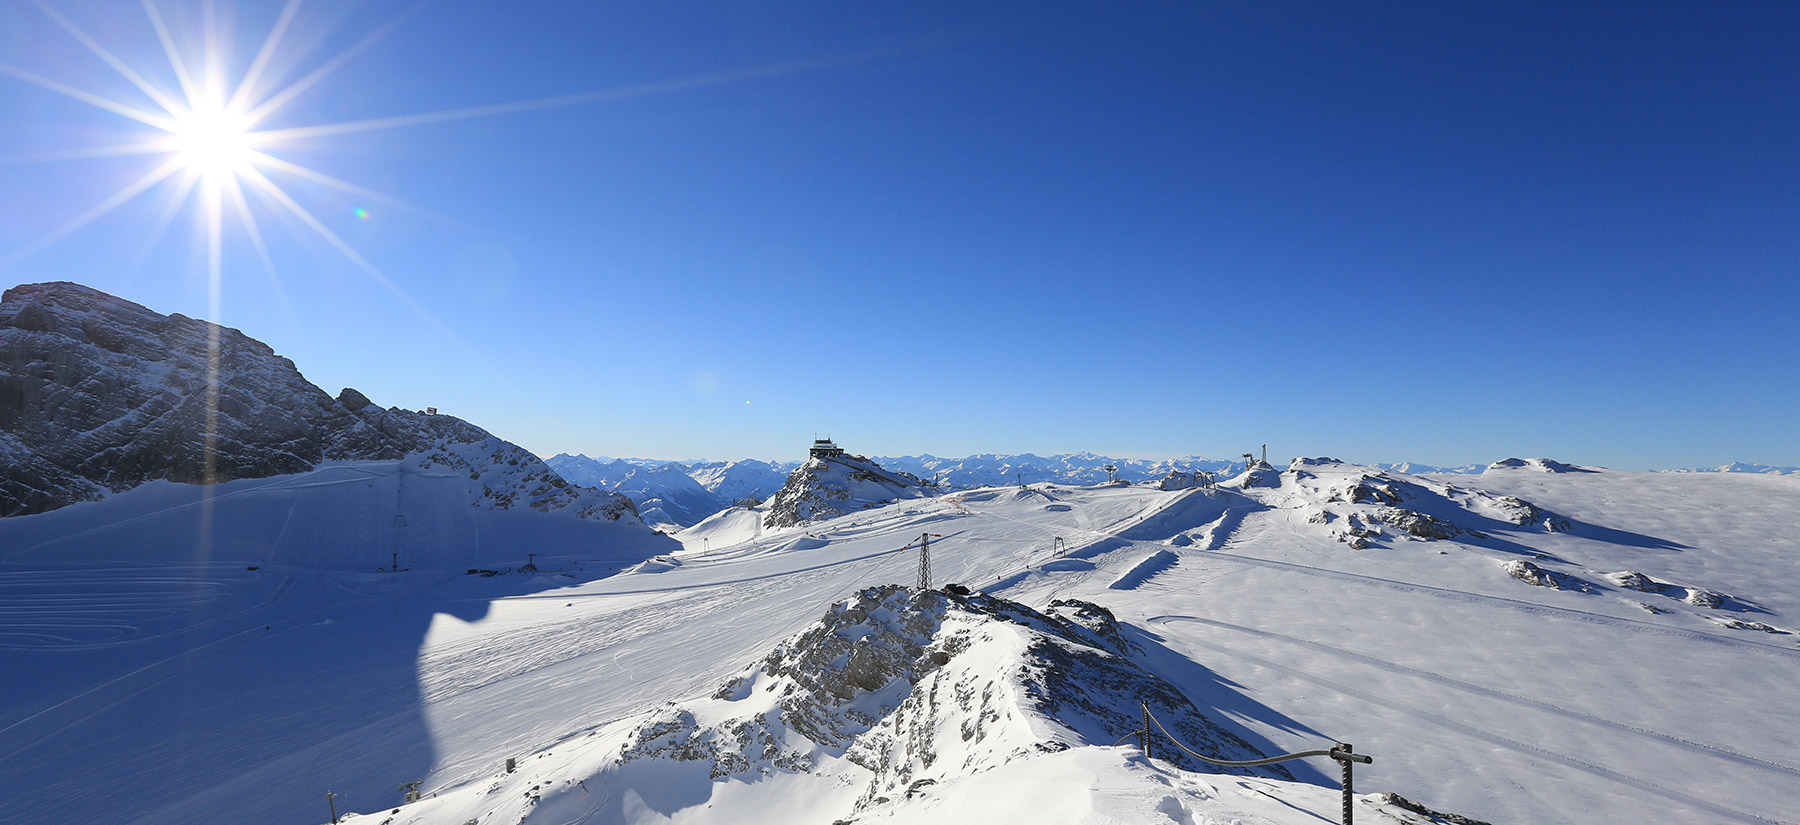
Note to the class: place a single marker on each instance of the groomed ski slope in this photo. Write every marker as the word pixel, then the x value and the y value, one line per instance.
pixel 1476 692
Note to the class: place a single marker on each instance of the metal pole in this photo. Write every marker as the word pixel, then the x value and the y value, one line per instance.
pixel 924 561
pixel 1144 740
pixel 1347 761
pixel 330 800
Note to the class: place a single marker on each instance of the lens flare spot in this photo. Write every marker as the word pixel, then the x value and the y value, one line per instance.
pixel 360 213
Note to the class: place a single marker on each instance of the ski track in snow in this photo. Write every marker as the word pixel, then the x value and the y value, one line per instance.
pixel 99 698
pixel 1393 667
pixel 1515 604
pixel 28 615
pixel 1489 736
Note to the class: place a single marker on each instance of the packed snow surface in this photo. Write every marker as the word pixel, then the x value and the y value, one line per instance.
pixel 1522 645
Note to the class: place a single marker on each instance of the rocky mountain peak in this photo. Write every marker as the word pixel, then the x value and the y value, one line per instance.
pixel 99 395
pixel 831 485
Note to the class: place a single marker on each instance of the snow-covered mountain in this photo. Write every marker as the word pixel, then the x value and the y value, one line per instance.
pixel 1743 467
pixel 667 495
pixel 1415 468
pixel 599 473
pixel 829 485
pixel 735 481
pixel 674 493
pixel 99 395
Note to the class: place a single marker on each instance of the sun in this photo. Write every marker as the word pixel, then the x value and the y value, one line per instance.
pixel 213 141
pixel 218 132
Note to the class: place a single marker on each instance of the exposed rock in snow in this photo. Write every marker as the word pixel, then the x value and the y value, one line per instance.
pixel 831 486
pixel 1703 598
pixel 1429 816
pixel 1374 490
pixel 1184 480
pixel 917 688
pixel 99 394
pixel 1534 575
pixel 1633 580
pixel 1416 524
pixel 1523 513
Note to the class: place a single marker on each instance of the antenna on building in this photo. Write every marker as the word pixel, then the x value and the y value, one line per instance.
pixel 1265 453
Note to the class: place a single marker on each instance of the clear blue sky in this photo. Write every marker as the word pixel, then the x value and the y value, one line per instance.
pixel 1435 232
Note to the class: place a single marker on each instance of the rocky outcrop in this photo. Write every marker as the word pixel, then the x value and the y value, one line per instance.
pixel 1537 576
pixel 1184 480
pixel 824 488
pixel 99 394
pixel 918 687
pixel 1416 524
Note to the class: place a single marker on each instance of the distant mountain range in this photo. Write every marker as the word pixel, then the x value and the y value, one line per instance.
pixel 681 494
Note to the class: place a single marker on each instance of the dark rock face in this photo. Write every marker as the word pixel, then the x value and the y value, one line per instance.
pixel 1418 525
pixel 99 394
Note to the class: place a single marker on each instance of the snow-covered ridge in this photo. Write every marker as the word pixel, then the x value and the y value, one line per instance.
pixel 919 687
pixel 909 705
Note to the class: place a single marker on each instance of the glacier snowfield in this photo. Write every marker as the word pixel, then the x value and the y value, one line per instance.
pixel 1647 671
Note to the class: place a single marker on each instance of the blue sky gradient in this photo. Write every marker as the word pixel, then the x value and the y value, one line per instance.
pixel 1425 231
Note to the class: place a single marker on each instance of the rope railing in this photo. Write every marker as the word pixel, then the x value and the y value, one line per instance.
pixel 1340 752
